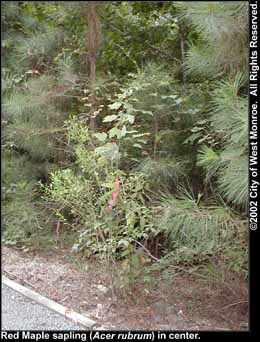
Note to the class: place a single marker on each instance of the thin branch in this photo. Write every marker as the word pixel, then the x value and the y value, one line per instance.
pixel 163 54
pixel 147 251
pixel 36 131
pixel 229 305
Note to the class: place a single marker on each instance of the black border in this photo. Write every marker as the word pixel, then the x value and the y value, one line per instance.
pixel 254 285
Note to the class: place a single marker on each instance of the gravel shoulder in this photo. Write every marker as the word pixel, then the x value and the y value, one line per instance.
pixel 21 313
pixel 180 303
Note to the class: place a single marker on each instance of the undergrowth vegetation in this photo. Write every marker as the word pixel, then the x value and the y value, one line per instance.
pixel 133 144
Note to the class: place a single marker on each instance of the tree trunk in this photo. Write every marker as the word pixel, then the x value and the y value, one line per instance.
pixel 93 41
pixel 182 57
pixel 155 143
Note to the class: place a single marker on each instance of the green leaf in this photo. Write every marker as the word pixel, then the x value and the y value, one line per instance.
pixel 109 150
pixel 146 112
pixel 129 108
pixel 138 145
pixel 115 105
pixel 192 138
pixel 108 185
pixel 115 132
pixel 178 101
pixel 130 118
pixel 196 129
pixel 135 261
pixel 123 242
pixel 110 118
pixel 169 97
pixel 139 135
pixel 101 136
pixel 131 220
pixel 159 106
pixel 124 131
pixel 202 122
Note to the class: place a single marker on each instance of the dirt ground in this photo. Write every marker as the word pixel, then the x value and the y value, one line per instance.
pixel 183 302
